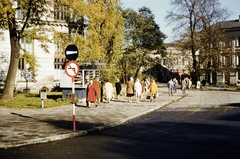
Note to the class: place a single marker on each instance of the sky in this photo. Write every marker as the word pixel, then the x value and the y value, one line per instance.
pixel 159 9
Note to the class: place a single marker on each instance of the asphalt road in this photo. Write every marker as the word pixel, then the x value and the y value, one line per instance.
pixel 195 127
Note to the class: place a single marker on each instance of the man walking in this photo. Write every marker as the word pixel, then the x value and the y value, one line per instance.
pixel 184 86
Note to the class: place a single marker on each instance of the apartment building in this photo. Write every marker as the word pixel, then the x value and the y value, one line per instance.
pixel 230 59
pixel 178 61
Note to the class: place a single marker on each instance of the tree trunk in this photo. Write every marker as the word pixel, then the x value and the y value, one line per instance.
pixel 136 73
pixel 12 70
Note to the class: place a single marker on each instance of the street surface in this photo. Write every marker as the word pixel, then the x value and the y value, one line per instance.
pixel 202 125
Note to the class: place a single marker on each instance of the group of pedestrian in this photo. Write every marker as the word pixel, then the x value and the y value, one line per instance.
pixel 172 86
pixel 95 90
pixel 138 89
pixel 186 84
pixel 135 88
pixel 147 87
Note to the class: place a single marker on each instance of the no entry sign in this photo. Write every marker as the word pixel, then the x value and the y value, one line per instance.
pixel 71 52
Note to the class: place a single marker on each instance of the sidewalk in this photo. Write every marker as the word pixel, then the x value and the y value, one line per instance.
pixel 24 127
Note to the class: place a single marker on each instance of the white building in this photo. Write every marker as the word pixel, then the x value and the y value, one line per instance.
pixel 48 74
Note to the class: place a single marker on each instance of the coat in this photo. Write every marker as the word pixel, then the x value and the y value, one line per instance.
pixel 98 87
pixel 130 87
pixel 109 90
pixel 118 88
pixel 92 93
pixel 138 88
pixel 153 89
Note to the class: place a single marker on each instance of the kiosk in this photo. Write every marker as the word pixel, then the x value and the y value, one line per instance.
pixel 88 70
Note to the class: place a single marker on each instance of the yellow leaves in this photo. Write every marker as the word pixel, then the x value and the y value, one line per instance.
pixel 105 24
pixel 30 60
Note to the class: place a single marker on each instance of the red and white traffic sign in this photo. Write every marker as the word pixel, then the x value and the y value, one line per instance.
pixel 72 69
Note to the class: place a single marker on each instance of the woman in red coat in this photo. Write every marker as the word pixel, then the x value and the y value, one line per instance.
pixel 92 93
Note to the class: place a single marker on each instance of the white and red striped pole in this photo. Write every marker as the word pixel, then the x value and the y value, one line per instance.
pixel 73 105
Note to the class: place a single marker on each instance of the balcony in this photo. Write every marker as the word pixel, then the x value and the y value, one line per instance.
pixel 237 49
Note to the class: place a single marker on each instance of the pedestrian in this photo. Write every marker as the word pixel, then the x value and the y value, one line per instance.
pixel 184 85
pixel 143 88
pixel 92 93
pixel 170 85
pixel 109 90
pixel 147 84
pixel 198 85
pixel 175 85
pixel 118 88
pixel 98 86
pixel 101 90
pixel 130 89
pixel 138 90
pixel 189 83
pixel 153 90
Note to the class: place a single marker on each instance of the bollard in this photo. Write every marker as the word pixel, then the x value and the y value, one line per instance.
pixel 43 95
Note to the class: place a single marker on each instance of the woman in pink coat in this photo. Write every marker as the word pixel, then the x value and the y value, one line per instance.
pixel 92 93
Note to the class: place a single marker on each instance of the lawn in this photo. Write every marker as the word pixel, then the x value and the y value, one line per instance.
pixel 33 101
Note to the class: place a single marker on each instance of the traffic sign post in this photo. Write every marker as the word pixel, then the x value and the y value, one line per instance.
pixel 72 69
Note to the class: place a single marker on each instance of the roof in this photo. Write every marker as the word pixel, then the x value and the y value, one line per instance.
pixel 230 24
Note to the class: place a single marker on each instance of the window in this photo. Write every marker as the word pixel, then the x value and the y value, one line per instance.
pixel 19 13
pixel 238 60
pixel 25 72
pixel 60 12
pixel 26 46
pixel 21 64
pixel 227 60
pixel 215 61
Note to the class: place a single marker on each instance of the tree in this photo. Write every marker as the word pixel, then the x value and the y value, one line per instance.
pixel 34 15
pixel 142 38
pixel 29 72
pixel 194 23
pixel 100 38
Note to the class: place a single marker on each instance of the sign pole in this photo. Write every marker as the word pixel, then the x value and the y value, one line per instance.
pixel 73 105
pixel 72 69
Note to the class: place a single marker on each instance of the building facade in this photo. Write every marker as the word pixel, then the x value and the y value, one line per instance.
pixel 178 62
pixel 50 63
pixel 229 60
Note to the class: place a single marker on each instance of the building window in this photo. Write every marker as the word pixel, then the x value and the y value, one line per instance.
pixel 19 13
pixel 26 45
pixel 60 12
pixel 21 64
pixel 227 60
pixel 25 72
